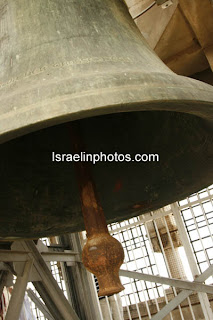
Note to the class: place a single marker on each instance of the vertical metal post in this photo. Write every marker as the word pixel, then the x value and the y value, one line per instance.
pixel 136 304
pixel 144 256
pixel 94 297
pixel 116 305
pixel 147 306
pixel 165 258
pixel 85 285
pixel 177 263
pixel 18 293
pixel 148 235
pixel 204 301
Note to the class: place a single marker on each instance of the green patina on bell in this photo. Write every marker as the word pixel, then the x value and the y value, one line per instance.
pixel 86 61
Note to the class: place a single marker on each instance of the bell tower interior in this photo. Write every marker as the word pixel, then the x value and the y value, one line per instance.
pixel 106 159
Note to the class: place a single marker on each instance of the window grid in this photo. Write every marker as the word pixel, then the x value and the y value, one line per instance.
pixel 138 257
pixel 198 221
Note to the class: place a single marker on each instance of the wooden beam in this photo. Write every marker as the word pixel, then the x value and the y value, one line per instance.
pixel 199 14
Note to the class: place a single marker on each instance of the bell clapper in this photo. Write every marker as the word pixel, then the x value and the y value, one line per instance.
pixel 102 254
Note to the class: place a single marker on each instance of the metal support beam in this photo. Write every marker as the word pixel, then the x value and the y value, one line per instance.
pixel 39 304
pixel 80 296
pixel 142 219
pixel 49 282
pixel 18 293
pixel 21 256
pixel 80 283
pixel 47 300
pixel 66 256
pixel 182 284
pixel 181 296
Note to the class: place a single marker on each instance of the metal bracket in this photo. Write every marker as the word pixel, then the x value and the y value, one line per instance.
pixel 164 3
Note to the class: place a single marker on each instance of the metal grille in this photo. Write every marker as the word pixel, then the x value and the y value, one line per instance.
pixel 173 242
pixel 139 256
pixel 197 213
pixel 152 245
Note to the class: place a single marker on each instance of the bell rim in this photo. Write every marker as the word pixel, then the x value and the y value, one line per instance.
pixel 174 99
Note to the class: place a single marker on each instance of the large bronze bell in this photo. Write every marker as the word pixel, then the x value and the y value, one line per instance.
pixel 86 61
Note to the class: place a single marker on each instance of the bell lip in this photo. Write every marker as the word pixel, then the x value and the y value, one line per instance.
pixel 68 108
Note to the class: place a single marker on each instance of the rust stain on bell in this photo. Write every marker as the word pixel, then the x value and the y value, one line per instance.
pixel 118 186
